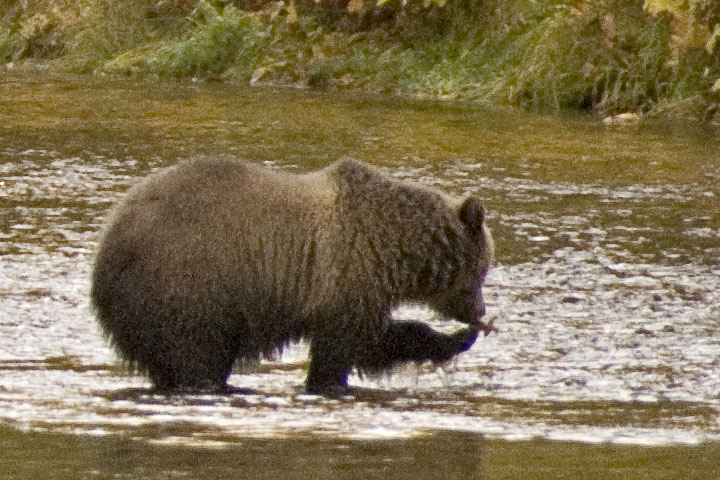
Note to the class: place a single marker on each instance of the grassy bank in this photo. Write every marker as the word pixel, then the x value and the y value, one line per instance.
pixel 657 57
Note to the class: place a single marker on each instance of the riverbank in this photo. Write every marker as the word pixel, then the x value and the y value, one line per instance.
pixel 40 455
pixel 606 57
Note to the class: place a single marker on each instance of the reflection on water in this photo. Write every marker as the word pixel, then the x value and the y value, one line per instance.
pixel 607 288
pixel 443 455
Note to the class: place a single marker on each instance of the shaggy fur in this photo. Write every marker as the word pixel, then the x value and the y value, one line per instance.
pixel 207 263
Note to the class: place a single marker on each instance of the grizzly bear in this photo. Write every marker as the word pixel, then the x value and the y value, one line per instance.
pixel 210 262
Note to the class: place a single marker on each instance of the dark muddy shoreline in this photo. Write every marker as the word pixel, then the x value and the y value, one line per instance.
pixel 448 455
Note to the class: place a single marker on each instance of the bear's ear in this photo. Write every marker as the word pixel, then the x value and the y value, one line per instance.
pixel 472 214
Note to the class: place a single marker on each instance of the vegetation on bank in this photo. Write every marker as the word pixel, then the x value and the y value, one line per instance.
pixel 657 57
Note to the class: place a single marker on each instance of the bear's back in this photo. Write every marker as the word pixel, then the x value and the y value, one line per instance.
pixel 209 231
pixel 214 199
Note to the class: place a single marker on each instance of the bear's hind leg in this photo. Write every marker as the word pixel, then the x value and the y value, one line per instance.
pixel 188 380
pixel 328 370
pixel 189 370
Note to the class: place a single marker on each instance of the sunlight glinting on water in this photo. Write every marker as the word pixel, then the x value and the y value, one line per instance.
pixel 607 298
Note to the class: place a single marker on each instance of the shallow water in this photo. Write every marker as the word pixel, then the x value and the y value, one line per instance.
pixel 606 289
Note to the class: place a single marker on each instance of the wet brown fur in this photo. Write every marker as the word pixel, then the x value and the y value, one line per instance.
pixel 210 262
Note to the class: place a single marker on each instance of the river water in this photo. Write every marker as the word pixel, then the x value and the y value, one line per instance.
pixel 606 289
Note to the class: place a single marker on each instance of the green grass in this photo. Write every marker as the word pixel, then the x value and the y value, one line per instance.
pixel 108 29
pixel 602 56
pixel 216 39
pixel 553 59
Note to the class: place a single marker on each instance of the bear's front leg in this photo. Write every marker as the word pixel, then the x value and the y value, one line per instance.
pixel 408 341
pixel 328 370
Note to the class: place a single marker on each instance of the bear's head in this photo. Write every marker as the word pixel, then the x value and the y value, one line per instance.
pixel 464 300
